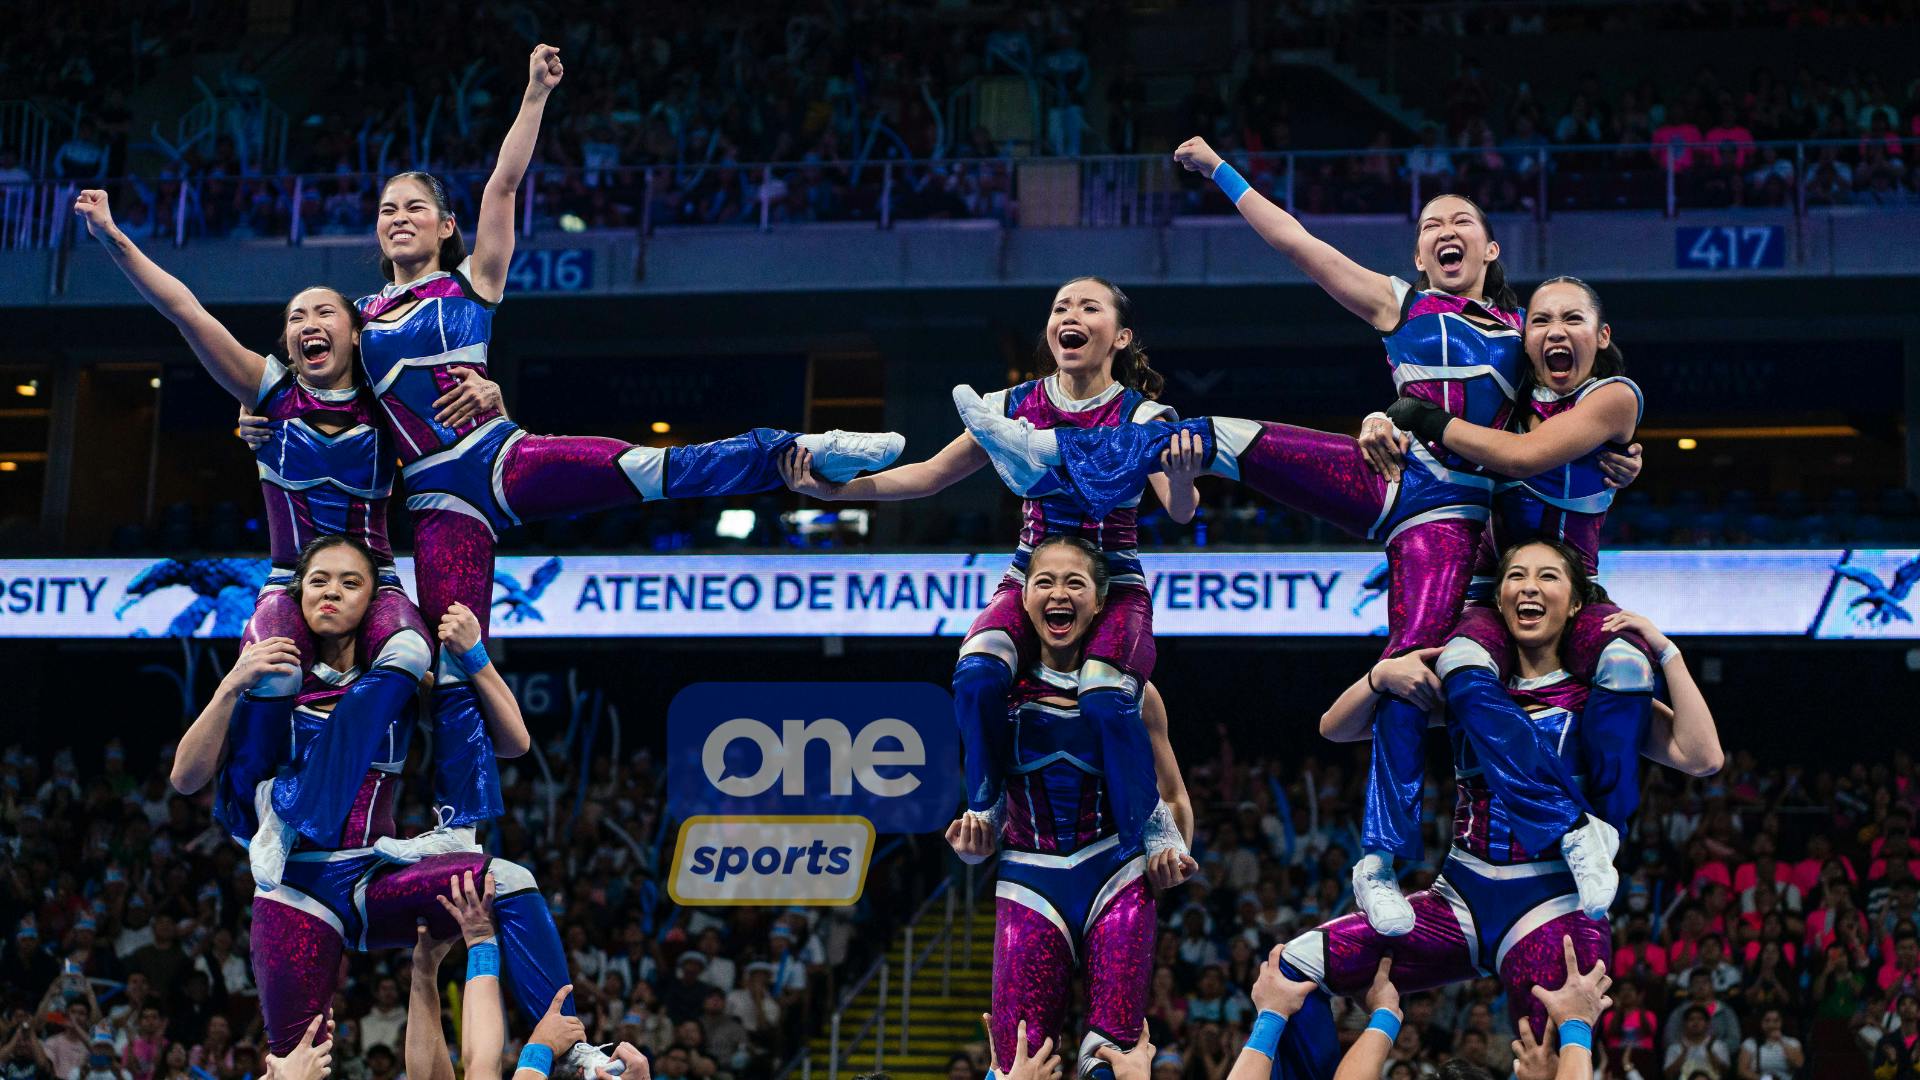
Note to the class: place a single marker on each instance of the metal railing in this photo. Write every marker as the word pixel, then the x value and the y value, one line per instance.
pixel 26 129
pixel 841 1046
pixel 1110 191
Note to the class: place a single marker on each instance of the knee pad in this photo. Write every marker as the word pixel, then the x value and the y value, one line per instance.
pixel 1232 436
pixel 997 644
pixel 1462 653
pixel 1623 668
pixel 1305 957
pixel 406 651
pixel 510 877
pixel 646 469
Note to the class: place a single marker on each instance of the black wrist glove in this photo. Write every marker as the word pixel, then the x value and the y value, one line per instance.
pixel 1425 420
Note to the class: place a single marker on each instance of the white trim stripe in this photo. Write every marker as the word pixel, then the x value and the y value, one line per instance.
pixel 468 444
pixel 1120 879
pixel 440 500
pixel 475 353
pixel 1034 902
pixel 1463 915
pixel 1062 862
pixel 1539 916
pixel 500 474
pixel 1457 512
pixel 299 901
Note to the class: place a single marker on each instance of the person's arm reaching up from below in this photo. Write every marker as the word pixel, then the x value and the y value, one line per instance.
pixel 1533 1059
pixel 484 1018
pixel 1043 1064
pixel 1278 998
pixel 426 1044
pixel 1574 1010
pixel 1367 1057
pixel 306 1061
pixel 1134 1064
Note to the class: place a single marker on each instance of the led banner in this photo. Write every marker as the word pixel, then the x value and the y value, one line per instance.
pixel 1824 593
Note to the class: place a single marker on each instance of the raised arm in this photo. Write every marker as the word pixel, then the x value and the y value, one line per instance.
pixel 460 633
pixel 1366 1059
pixel 1278 998
pixel 1684 737
pixel 426 1045
pixel 1367 293
pixel 955 462
pixel 236 368
pixel 484 1020
pixel 1608 414
pixel 1574 1010
pixel 493 233
pixel 197 757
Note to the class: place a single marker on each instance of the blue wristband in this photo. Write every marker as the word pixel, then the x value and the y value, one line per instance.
pixel 1231 182
pixel 475 658
pixel 538 1057
pixel 1576 1033
pixel 483 959
pixel 1265 1036
pixel 1384 1022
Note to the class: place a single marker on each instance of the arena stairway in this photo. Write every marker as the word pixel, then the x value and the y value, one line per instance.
pixel 937 1023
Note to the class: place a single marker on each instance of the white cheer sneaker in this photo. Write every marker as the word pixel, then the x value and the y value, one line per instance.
pixel 1377 893
pixel 839 456
pixel 1589 851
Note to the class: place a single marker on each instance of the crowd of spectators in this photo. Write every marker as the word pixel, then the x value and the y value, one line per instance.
pixel 663 117
pixel 658 114
pixel 1766 920
pixel 127 915
pixel 1508 145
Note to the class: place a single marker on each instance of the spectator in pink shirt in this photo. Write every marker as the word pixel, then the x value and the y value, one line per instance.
pixel 1901 973
pixel 1894 842
pixel 1683 948
pixel 148 1045
pixel 1677 137
pixel 1836 919
pixel 1729 143
pixel 1640 958
pixel 1763 866
pixel 1807 872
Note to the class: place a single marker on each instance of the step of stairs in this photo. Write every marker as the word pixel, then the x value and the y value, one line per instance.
pixel 938 1022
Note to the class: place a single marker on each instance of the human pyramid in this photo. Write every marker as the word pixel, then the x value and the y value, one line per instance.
pixel 1487 482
